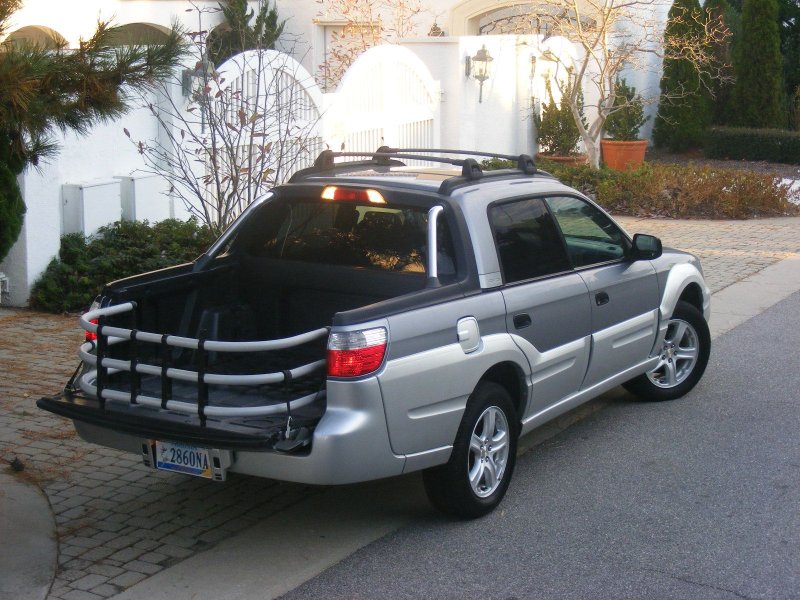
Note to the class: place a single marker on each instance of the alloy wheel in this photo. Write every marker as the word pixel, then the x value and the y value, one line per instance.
pixel 678 355
pixel 488 456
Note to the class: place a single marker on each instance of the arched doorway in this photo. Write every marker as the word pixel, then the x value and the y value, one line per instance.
pixel 37 35
pixel 139 34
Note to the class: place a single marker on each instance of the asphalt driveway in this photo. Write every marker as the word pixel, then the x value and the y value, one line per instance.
pixel 696 498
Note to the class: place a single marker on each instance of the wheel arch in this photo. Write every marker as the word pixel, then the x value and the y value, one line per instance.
pixel 511 377
pixel 693 295
pixel 684 282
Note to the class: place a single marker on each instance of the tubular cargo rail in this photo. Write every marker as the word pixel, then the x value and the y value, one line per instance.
pixel 94 381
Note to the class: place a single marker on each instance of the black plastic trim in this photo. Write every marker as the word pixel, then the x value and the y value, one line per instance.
pixel 211 436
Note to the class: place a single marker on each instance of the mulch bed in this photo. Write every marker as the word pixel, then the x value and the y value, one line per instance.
pixel 696 156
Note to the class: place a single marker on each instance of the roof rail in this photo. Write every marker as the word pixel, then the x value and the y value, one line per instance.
pixel 386 157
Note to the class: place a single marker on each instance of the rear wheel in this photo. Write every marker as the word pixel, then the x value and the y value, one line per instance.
pixel 682 358
pixel 475 479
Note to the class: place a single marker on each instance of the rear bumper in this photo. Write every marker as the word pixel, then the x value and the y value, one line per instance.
pixel 350 443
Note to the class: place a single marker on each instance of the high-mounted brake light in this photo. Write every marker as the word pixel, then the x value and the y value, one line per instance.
pixel 356 353
pixel 332 192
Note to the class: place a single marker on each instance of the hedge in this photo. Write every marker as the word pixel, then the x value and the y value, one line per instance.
pixel 772 145
pixel 677 191
pixel 85 265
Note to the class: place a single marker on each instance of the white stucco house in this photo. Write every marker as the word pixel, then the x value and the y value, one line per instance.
pixel 417 93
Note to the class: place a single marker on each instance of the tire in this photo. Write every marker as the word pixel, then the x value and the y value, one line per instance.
pixel 684 357
pixel 450 487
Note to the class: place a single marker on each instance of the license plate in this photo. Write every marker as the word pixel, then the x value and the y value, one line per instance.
pixel 182 458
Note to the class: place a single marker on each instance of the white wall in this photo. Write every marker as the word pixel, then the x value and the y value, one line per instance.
pixel 105 153
pixel 501 123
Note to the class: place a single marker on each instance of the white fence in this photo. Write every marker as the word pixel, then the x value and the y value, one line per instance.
pixel 387 97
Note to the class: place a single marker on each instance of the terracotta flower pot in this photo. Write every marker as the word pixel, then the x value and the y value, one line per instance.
pixel 623 156
pixel 571 161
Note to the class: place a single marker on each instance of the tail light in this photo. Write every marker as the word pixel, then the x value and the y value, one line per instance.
pixel 90 336
pixel 356 353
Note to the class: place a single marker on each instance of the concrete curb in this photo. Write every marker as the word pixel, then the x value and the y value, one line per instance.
pixel 29 553
pixel 735 304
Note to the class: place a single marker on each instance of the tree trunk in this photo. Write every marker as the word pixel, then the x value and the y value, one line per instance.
pixel 592 151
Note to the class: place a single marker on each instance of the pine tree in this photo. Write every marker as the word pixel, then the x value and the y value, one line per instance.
pixel 47 90
pixel 720 12
pixel 789 21
pixel 758 95
pixel 685 109
pixel 236 35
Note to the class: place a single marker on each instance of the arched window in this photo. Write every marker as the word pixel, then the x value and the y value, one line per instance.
pixel 527 18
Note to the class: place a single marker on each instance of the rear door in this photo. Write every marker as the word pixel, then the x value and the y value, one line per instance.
pixel 547 304
pixel 623 294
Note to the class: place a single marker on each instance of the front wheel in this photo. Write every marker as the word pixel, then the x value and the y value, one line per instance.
pixel 683 357
pixel 475 479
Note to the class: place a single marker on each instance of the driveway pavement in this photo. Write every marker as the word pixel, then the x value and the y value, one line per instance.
pixel 119 523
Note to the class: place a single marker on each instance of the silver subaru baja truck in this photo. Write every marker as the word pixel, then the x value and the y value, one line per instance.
pixel 369 319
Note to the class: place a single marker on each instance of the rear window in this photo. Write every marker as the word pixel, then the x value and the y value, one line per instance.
pixel 349 233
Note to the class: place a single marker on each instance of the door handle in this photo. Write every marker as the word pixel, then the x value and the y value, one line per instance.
pixel 601 298
pixel 522 320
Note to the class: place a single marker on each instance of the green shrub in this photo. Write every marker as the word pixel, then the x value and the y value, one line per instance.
pixel 12 210
pixel 677 191
pixel 628 117
pixel 758 94
pixel 125 248
pixel 695 191
pixel 685 109
pixel 581 177
pixel 556 130
pixel 774 145
pixel 495 164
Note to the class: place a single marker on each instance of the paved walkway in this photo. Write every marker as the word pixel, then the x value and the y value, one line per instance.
pixel 119 523
pixel 729 250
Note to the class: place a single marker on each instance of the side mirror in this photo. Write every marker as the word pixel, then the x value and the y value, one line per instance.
pixel 645 247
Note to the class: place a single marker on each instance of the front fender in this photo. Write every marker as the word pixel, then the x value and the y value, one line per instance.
pixel 679 278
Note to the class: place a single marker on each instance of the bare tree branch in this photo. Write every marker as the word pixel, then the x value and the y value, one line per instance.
pixel 245 127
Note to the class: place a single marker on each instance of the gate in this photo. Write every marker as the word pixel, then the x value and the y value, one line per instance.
pixel 286 99
pixel 387 97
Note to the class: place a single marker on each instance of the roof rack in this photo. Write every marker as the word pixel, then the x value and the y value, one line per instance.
pixel 386 157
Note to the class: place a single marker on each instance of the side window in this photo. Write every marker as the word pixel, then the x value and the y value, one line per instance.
pixel 590 235
pixel 528 243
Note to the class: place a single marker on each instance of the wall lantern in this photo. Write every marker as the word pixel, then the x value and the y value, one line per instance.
pixel 550 64
pixel 203 70
pixel 479 68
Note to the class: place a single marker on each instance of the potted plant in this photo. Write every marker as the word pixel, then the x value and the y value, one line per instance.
pixel 624 150
pixel 556 131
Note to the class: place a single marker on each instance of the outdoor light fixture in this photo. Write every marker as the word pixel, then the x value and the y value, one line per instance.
pixel 533 67
pixel 203 68
pixel 478 67
pixel 550 63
